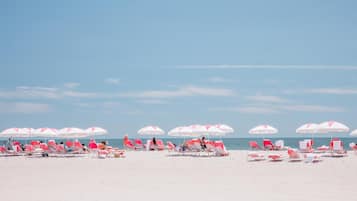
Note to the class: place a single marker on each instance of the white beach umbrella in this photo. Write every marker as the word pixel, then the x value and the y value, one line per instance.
pixel 14 132
pixel 354 133
pixel 181 131
pixel 151 130
pixel 263 129
pixel 225 128
pixel 198 130
pixel 212 130
pixel 332 127
pixel 72 132
pixel 96 131
pixel 45 132
pixel 309 128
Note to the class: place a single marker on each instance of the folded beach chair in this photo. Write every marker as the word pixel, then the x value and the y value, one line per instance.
pixel 337 149
pixel 255 156
pixel 139 144
pixel 322 149
pixel 220 149
pixel 294 155
pixel 275 157
pixel 254 145
pixel 312 158
pixel 267 144
pixel 305 146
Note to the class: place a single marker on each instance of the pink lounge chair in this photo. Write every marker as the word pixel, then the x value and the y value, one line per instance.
pixel 139 144
pixel 160 145
pixel 128 144
pixel 5 152
pixel 69 144
pixel 220 149
pixel 254 145
pixel 170 146
pixel 103 154
pixel 92 145
pixel 268 144
pixel 294 156
pixel 210 146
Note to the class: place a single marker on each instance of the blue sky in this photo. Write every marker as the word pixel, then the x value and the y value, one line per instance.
pixel 126 64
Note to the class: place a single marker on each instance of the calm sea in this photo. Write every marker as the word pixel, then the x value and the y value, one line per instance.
pixel 231 143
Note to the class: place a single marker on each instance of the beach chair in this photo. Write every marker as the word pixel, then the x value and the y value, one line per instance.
pixel 275 157
pixel 92 145
pixel 322 149
pixel 78 147
pixel 128 144
pixel 305 146
pixel 294 155
pixel 210 146
pixel 139 144
pixel 353 147
pixel 267 144
pixel 160 145
pixel 337 149
pixel 279 145
pixel 312 158
pixel 255 156
pixel 254 145
pixel 220 149
pixel 4 151
pixel 170 146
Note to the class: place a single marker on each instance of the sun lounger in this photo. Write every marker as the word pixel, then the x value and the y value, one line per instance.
pixel 139 144
pixel 305 146
pixel 353 147
pixel 255 156
pixel 6 152
pixel 267 144
pixel 220 149
pixel 322 149
pixel 337 149
pixel 312 158
pixel 170 146
pixel 294 155
pixel 254 145
pixel 275 157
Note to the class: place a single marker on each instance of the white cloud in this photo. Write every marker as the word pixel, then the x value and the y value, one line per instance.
pixel 23 107
pixel 152 102
pixel 271 109
pixel 76 94
pixel 220 80
pixel 270 66
pixel 267 99
pixel 335 91
pixel 26 92
pixel 181 92
pixel 311 108
pixel 250 110
pixel 113 81
pixel 71 85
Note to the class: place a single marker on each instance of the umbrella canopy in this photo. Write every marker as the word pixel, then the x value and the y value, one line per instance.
pixel 213 130
pixel 263 129
pixel 14 132
pixel 307 128
pixel 354 133
pixel 182 131
pixel 225 128
pixel 96 131
pixel 332 127
pixel 198 130
pixel 151 130
pixel 71 132
pixel 45 132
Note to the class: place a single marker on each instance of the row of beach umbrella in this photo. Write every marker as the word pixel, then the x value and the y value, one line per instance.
pixel 195 130
pixel 70 132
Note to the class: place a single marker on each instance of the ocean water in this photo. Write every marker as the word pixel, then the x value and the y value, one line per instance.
pixel 230 143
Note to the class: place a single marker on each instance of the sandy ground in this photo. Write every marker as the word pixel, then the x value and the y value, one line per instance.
pixel 159 176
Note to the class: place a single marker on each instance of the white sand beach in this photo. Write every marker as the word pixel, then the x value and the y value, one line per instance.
pixel 157 176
